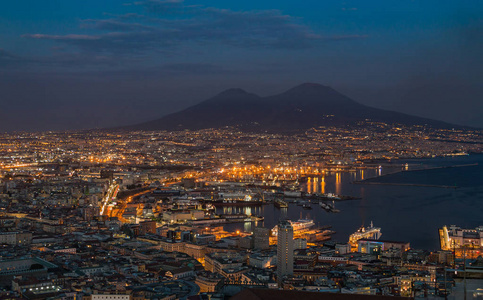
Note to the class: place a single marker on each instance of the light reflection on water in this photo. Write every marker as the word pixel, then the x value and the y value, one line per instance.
pixel 247 210
pixel 404 213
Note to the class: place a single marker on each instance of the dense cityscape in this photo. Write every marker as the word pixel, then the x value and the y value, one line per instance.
pixel 241 150
pixel 143 215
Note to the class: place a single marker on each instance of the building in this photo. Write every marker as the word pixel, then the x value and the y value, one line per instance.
pixel 342 248
pixel 110 297
pixel 262 261
pixel 36 285
pixel 304 259
pixel 371 246
pixel 147 227
pixel 203 239
pixel 208 282
pixel 285 247
pixel 464 242
pixel 195 251
pixel 272 294
pixel 300 244
pixel 23 267
pixel 261 238
pixel 216 262
pixel 180 273
pixel 16 238
pixel 245 242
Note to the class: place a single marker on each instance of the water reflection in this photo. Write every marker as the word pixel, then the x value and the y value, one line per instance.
pixel 338 183
pixel 247 210
pixel 283 213
pixel 315 185
pixel 393 208
pixel 247 227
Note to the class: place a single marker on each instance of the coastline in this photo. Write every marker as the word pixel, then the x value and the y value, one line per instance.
pixel 373 180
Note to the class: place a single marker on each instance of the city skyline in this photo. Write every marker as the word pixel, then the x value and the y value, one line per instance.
pixel 369 209
pixel 217 150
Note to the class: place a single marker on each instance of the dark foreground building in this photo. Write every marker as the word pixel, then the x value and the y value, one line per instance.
pixel 270 294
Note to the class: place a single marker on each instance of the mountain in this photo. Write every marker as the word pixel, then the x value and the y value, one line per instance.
pixel 444 102
pixel 302 107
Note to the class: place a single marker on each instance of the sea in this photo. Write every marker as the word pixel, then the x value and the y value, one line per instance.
pixel 415 199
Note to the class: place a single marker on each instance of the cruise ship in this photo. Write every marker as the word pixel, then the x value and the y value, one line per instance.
pixel 298 227
pixel 236 199
pixel 369 232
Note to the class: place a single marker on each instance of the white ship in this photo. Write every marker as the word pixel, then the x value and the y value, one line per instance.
pixel 235 196
pixel 369 232
pixel 299 226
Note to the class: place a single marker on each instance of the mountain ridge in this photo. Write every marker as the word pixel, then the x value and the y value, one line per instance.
pixel 301 107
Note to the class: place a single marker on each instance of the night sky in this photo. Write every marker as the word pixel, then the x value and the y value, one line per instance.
pixel 92 64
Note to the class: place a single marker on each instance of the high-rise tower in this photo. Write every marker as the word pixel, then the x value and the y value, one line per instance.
pixel 284 250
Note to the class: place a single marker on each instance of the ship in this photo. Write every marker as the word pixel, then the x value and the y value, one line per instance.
pixel 236 199
pixel 292 194
pixel 280 203
pixel 330 197
pixel 300 226
pixel 369 232
pixel 307 206
pixel 328 207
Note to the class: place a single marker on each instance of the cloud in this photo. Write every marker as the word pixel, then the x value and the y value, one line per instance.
pixel 61 59
pixel 114 25
pixel 344 37
pixel 5 55
pixel 171 23
pixel 73 37
pixel 194 68
pixel 8 59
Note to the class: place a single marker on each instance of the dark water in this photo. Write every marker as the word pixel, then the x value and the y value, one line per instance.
pixel 404 213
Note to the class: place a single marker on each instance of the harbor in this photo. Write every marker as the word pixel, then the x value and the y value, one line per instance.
pixel 387 205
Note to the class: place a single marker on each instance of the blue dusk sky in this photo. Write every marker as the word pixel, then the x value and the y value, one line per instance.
pixel 92 64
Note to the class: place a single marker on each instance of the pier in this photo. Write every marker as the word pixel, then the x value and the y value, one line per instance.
pixel 406 184
pixel 369 182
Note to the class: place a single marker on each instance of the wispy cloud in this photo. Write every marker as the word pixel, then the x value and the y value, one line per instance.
pixel 73 37
pixel 61 59
pixel 170 23
pixel 10 59
pixel 6 55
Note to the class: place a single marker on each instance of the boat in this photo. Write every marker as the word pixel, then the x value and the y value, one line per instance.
pixel 369 232
pixel 236 199
pixel 257 218
pixel 280 203
pixel 298 226
pixel 307 206
pixel 233 216
pixel 330 197
pixel 293 194
pixel 328 207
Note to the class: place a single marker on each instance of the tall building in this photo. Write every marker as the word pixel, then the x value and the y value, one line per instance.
pixel 261 238
pixel 300 244
pixel 284 250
